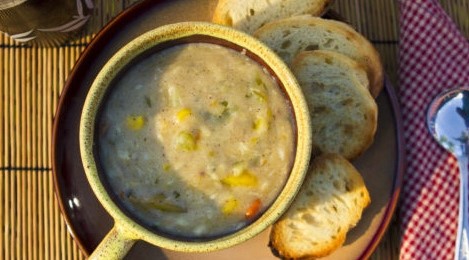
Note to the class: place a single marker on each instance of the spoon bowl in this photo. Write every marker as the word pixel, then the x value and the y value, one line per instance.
pixel 448 122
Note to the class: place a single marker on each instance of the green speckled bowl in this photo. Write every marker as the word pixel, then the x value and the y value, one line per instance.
pixel 127 230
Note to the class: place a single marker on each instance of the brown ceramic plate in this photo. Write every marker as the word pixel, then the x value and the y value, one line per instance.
pixel 381 166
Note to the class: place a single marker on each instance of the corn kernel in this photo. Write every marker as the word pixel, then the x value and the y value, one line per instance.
pixel 262 97
pixel 183 114
pixel 229 206
pixel 254 140
pixel 185 141
pixel 246 179
pixel 135 123
pixel 260 125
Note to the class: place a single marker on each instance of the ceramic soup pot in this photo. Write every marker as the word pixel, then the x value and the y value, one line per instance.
pixel 127 229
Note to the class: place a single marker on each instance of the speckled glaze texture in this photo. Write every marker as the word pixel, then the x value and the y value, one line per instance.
pixel 126 231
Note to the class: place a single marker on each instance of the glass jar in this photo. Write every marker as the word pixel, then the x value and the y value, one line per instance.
pixel 43 22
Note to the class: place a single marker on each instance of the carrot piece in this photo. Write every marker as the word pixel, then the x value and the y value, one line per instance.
pixel 253 209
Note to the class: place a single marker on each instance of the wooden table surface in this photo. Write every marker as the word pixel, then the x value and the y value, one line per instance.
pixel 31 80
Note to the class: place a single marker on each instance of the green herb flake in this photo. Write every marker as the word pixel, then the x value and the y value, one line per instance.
pixel 148 101
pixel 259 81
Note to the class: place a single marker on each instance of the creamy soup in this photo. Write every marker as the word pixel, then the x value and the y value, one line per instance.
pixel 196 140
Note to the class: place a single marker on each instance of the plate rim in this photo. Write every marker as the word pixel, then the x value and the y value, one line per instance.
pixel 100 39
pixel 400 165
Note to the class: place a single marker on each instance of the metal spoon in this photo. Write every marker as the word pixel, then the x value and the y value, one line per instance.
pixel 448 122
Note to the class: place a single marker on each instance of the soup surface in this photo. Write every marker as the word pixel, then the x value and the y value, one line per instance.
pixel 196 140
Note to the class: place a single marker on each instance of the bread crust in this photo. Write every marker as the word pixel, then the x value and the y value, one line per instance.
pixel 281 234
pixel 343 112
pixel 305 32
pixel 249 15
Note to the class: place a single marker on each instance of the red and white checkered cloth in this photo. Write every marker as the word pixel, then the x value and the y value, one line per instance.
pixel 434 56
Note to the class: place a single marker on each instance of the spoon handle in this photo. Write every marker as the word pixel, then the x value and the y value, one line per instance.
pixel 462 242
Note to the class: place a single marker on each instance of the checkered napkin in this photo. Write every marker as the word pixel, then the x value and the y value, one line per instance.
pixel 434 56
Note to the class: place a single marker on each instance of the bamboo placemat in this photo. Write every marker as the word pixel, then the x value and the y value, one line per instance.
pixel 31 80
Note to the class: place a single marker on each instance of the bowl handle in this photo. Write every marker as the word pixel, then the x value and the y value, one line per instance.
pixel 115 245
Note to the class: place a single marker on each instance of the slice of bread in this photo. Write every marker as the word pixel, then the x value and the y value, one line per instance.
pixel 288 37
pixel 344 115
pixel 329 203
pixel 249 15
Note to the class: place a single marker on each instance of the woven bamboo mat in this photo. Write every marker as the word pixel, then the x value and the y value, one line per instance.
pixel 31 80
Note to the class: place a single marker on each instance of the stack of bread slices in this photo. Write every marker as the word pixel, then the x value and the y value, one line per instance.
pixel 341 74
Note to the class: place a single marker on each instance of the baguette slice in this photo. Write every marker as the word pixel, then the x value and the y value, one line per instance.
pixel 290 36
pixel 330 202
pixel 343 112
pixel 249 15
